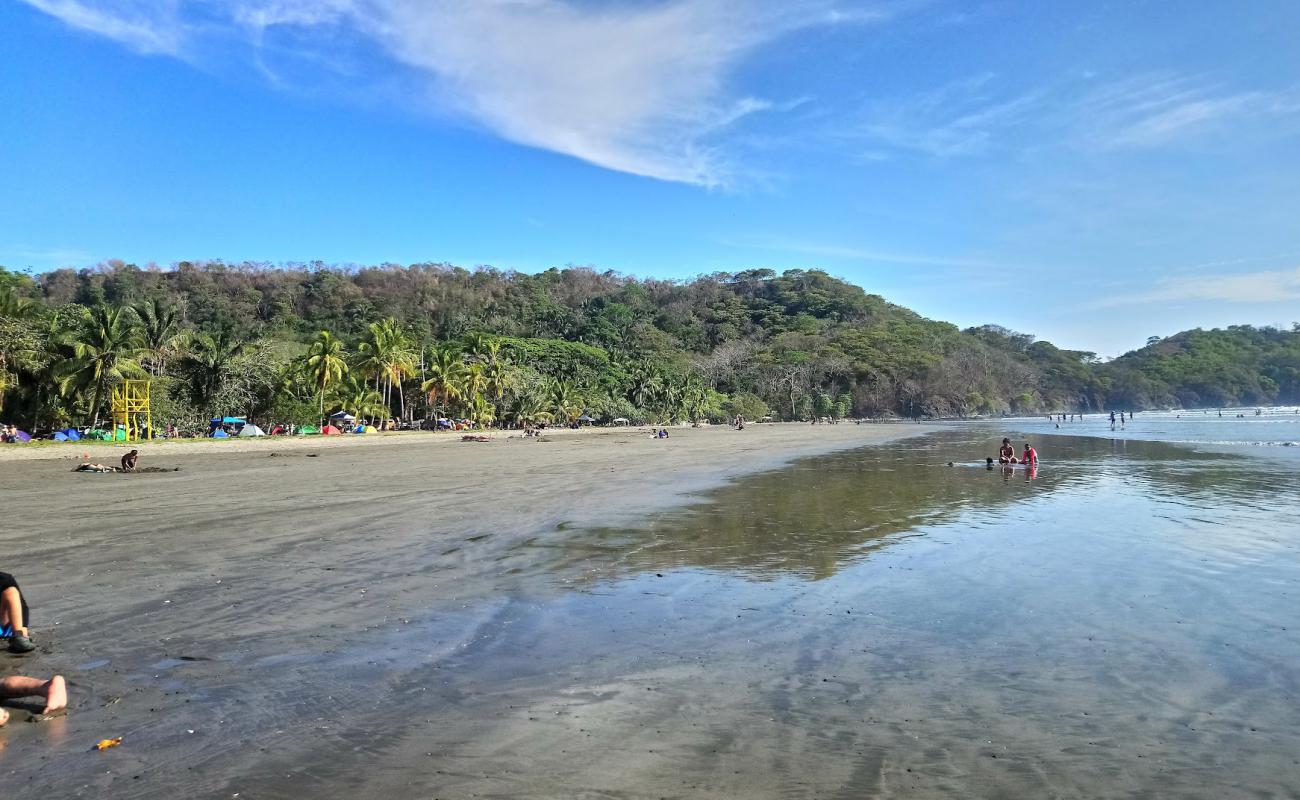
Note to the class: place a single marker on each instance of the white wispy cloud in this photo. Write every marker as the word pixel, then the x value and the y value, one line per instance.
pixel 986 114
pixel 1159 109
pixel 961 118
pixel 641 88
pixel 864 255
pixel 148 26
pixel 1265 286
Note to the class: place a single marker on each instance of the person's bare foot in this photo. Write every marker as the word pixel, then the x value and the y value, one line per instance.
pixel 56 695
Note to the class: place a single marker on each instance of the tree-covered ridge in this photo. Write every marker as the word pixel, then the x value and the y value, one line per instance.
pixel 288 343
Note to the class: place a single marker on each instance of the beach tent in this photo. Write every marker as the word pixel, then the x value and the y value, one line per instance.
pixel 362 429
pixel 22 436
pixel 622 421
pixel 72 434
pixel 220 434
pixel 60 437
pixel 343 416
pixel 587 419
pixel 309 429
pixel 227 420
pixel 98 434
pixel 330 430
pixel 252 430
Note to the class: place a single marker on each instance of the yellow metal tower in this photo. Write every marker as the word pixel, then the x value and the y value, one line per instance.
pixel 131 410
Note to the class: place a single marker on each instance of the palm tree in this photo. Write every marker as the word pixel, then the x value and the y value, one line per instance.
pixel 19 343
pixel 359 400
pixel 482 411
pixel 108 352
pixel 160 331
pixel 695 401
pixel 564 400
pixel 325 365
pixel 527 408
pixel 385 353
pixel 446 379
pixel 207 365
pixel 645 386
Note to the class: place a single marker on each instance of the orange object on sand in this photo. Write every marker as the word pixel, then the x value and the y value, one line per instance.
pixel 104 744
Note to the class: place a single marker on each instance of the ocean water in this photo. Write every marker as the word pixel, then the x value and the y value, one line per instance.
pixel 875 623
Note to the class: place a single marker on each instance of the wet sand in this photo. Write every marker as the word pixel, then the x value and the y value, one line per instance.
pixel 278 619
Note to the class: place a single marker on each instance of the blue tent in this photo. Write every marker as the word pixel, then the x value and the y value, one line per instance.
pixel 220 434
pixel 60 437
pixel 72 435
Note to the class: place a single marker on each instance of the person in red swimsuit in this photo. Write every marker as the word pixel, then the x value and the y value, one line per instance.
pixel 1030 456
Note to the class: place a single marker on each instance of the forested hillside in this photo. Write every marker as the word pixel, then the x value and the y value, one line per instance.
pixel 284 344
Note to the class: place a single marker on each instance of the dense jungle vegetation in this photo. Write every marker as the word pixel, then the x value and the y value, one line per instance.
pixel 289 343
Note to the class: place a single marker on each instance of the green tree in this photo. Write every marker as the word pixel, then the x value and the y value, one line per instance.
pixel 108 351
pixel 325 365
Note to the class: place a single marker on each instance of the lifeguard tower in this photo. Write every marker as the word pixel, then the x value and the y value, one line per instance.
pixel 131 411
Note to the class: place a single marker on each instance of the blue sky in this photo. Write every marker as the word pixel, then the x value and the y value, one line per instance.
pixel 1093 173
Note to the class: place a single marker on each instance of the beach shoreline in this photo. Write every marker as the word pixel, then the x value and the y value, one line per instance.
pixel 257 593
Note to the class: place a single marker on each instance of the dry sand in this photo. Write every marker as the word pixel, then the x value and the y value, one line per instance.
pixel 273 618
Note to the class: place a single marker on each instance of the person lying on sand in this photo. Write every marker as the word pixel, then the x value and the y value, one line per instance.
pixel 131 461
pixel 55 692
pixel 14 615
pixel 89 467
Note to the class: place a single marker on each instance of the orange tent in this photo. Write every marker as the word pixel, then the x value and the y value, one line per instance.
pixel 330 430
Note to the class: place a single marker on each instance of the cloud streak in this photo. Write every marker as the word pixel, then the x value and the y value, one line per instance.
pixel 1263 287
pixel 981 115
pixel 643 88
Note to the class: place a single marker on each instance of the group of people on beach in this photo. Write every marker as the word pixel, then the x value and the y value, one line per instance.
pixel 14 618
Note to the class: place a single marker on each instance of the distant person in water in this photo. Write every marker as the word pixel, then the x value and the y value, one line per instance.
pixel 55 692
pixel 1007 453
pixel 1029 457
pixel 988 463
pixel 130 461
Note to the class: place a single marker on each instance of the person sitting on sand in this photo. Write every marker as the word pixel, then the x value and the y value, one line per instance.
pixel 55 692
pixel 1007 453
pixel 14 615
pixel 1030 456
pixel 131 461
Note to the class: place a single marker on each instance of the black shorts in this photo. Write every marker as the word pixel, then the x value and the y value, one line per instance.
pixel 7 582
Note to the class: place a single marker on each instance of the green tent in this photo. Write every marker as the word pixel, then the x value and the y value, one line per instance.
pixel 308 429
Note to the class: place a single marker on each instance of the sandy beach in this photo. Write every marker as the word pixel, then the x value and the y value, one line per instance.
pixel 265 614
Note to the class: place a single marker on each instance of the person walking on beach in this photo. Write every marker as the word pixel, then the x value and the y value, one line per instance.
pixel 14 615
pixel 55 692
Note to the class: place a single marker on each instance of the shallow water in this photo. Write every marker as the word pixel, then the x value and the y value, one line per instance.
pixel 874 623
